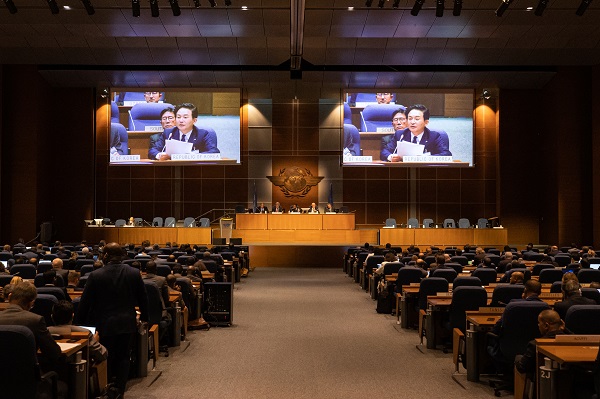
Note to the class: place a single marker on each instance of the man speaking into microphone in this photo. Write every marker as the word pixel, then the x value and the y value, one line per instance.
pixel 186 115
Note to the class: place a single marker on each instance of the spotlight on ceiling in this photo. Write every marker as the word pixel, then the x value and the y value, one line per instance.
pixel 439 8
pixel 197 3
pixel 368 3
pixel 539 10
pixel 175 7
pixel 135 8
pixel 396 3
pixel 503 7
pixel 582 7
pixel 53 6
pixel 89 8
pixel 485 94
pixel 104 93
pixel 457 8
pixel 381 3
pixel 417 7
pixel 154 8
pixel 11 6
pixel 213 3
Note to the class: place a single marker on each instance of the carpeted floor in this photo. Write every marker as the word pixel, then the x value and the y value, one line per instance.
pixel 305 333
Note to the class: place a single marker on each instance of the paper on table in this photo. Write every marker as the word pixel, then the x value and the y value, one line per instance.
pixel 178 147
pixel 407 148
pixel 66 346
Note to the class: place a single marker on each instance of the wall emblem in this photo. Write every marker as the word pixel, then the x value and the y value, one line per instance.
pixel 295 182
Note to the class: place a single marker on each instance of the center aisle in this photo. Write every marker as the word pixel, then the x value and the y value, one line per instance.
pixel 304 333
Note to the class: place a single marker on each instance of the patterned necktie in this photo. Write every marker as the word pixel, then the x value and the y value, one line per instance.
pixel 415 140
pixel 183 137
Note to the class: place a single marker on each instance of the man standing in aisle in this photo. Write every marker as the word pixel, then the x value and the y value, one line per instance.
pixel 108 302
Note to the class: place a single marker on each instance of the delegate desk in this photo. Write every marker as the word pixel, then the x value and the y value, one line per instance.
pixel 478 324
pixel 444 237
pixel 295 221
pixel 160 235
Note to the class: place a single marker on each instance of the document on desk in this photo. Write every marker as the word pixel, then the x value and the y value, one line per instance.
pixel 178 147
pixel 66 346
pixel 407 148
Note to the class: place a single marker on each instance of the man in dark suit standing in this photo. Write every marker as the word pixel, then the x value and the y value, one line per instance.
pixel 436 143
pixel 108 302
pixel 186 115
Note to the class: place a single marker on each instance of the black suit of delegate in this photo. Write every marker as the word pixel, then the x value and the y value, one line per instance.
pixel 436 143
pixel 203 141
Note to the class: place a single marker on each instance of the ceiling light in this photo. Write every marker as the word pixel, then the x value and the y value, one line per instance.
pixel 175 7
pixel 417 7
pixel 485 94
pixel 88 7
pixel 154 8
pixel 582 7
pixel 350 8
pixel 457 8
pixel 439 8
pixel 135 8
pixel 11 6
pixel 53 6
pixel 503 7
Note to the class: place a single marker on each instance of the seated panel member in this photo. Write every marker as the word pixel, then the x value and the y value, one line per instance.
pixel 329 208
pixel 417 132
pixel 278 208
pixel 384 98
pixel 167 120
pixel 294 209
pixel 261 208
pixel 186 115
pixel 398 123
pixel 313 208
pixel 153 96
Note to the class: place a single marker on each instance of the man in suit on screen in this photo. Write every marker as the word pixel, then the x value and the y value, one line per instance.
pixel 436 143
pixel 186 115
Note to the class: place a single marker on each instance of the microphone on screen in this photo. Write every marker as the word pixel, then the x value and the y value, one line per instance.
pixel 168 138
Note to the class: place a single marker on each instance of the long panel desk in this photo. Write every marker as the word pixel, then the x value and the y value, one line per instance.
pixel 160 235
pixel 444 237
pixel 295 221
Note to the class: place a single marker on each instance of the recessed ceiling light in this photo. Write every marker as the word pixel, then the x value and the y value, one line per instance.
pixel 67 7
pixel 244 7
pixel 350 8
pixel 529 8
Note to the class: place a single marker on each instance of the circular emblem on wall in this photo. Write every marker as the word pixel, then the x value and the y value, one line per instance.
pixel 295 181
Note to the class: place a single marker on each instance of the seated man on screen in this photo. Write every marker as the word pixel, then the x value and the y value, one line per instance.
pixel 384 98
pixel 398 123
pixel 152 96
pixel 278 208
pixel 186 115
pixel 167 120
pixel 115 140
pixel 435 143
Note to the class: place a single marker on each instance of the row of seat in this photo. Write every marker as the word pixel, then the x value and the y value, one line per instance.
pixel 463 223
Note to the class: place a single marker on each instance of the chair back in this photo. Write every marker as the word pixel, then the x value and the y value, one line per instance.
pixel 58 293
pixel 464 223
pixel 460 259
pixel 187 293
pixel 538 267
pixel 120 222
pixel 427 223
pixel 123 136
pixel 163 270
pixel 392 267
pixel 240 209
pixel 448 274
pixel 189 222
pixel 372 262
pixel 85 269
pixel 21 378
pixel 449 223
pixel 5 279
pixel 344 209
pixel 465 298
pixel 486 275
pixel 526 273
pixel 157 221
pixel 429 260
pixel 456 266
pixel 79 263
pixel 520 325
pixel 412 223
pixel 407 275
pixel 562 259
pixel 503 294
pixel 591 293
pixel 144 115
pixel 352 139
pixel 25 271
pixel 170 221
pixel 556 287
pixel 431 286
pixel 584 275
pixel 155 302
pixel 49 257
pixel 550 275
pixel 43 307
pixel 583 319
pixel 82 281
pixel 44 266
pixel 494 258
pixel 347 114
pixel 465 281
pixel 390 222
pixel 482 223
pixel 374 117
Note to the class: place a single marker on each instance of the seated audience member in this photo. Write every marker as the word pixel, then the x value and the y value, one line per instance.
pixel 550 325
pixel 387 142
pixel 435 143
pixel 57 266
pixel 508 257
pixel 74 277
pixel 153 96
pixel 571 296
pixel 278 208
pixel 203 141
pixel 160 281
pixel 200 266
pixel 517 278
pixel 261 208
pixel 389 257
pixel 294 209
pixel 192 274
pixel 62 315
pixel 313 208
pixel 21 299
pixel 3 269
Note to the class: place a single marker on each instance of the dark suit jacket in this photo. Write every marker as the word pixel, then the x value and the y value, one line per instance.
pixel 436 143
pixel 562 307
pixel 161 283
pixel 202 140
pixel 109 299
pixel 97 351
pixel 280 209
pixel 14 314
